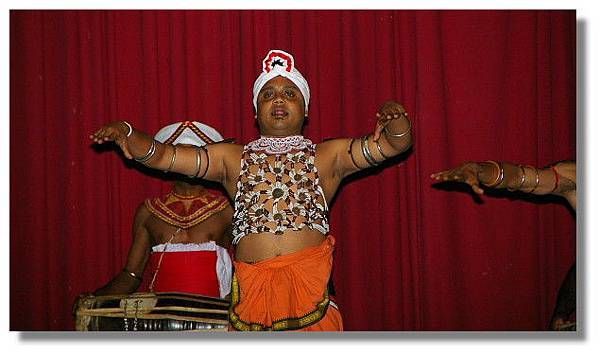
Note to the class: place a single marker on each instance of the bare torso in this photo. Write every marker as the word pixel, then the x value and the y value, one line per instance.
pixel 261 246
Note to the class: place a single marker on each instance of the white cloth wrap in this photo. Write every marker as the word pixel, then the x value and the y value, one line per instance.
pixel 294 75
pixel 223 266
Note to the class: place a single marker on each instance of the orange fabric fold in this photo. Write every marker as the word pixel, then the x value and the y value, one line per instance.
pixel 287 292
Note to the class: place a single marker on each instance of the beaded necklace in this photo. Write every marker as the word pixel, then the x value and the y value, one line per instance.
pixel 279 145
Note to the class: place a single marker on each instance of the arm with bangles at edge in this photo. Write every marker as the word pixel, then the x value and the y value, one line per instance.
pixel 129 279
pixel 207 162
pixel 392 135
pixel 556 179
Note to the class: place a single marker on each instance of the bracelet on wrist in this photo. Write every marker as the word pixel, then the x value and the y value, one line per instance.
pixel 499 178
pixel 132 274
pixel 522 180
pixel 537 179
pixel 130 129
pixel 149 154
pixel 402 134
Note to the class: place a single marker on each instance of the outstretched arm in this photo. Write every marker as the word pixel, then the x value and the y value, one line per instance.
pixel 392 135
pixel 558 179
pixel 207 162
pixel 129 279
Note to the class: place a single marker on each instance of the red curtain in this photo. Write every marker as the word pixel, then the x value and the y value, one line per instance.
pixel 410 254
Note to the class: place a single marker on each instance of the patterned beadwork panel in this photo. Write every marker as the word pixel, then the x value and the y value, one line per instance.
pixel 278 188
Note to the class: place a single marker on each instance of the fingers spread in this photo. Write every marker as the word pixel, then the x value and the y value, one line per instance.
pixel 439 174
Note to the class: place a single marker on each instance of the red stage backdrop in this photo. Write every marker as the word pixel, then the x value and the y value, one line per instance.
pixel 410 255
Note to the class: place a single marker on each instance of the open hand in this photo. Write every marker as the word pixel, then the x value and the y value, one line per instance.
pixel 113 132
pixel 466 172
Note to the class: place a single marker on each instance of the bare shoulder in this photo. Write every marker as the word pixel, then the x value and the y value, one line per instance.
pixel 330 156
pixel 142 212
pixel 224 165
pixel 226 150
pixel 331 148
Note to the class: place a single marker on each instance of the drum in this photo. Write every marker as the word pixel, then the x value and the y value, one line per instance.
pixel 172 311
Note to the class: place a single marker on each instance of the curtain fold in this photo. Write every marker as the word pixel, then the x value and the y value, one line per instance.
pixel 410 254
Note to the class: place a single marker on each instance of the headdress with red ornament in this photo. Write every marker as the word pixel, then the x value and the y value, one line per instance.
pixel 280 63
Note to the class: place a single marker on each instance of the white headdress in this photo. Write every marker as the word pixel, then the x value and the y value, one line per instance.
pixel 188 132
pixel 280 63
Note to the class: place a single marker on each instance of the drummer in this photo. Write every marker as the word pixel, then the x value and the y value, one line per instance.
pixel 182 237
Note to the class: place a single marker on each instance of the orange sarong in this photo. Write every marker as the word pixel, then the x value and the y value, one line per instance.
pixel 287 292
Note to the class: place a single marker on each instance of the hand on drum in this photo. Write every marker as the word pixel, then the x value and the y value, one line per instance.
pixel 145 311
pixel 78 300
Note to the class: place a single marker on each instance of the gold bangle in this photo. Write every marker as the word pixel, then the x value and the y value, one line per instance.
pixel 537 179
pixel 148 154
pixel 132 274
pixel 522 177
pixel 522 180
pixel 172 159
pixel 366 152
pixel 499 178
pixel 129 127
pixel 399 135
pixel 197 164
pixel 207 161
pixel 364 144
pixel 380 150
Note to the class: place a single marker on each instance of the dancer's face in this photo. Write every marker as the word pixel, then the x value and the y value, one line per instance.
pixel 280 108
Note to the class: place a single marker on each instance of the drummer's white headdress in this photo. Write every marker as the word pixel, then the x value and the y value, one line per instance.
pixel 281 63
pixel 188 132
